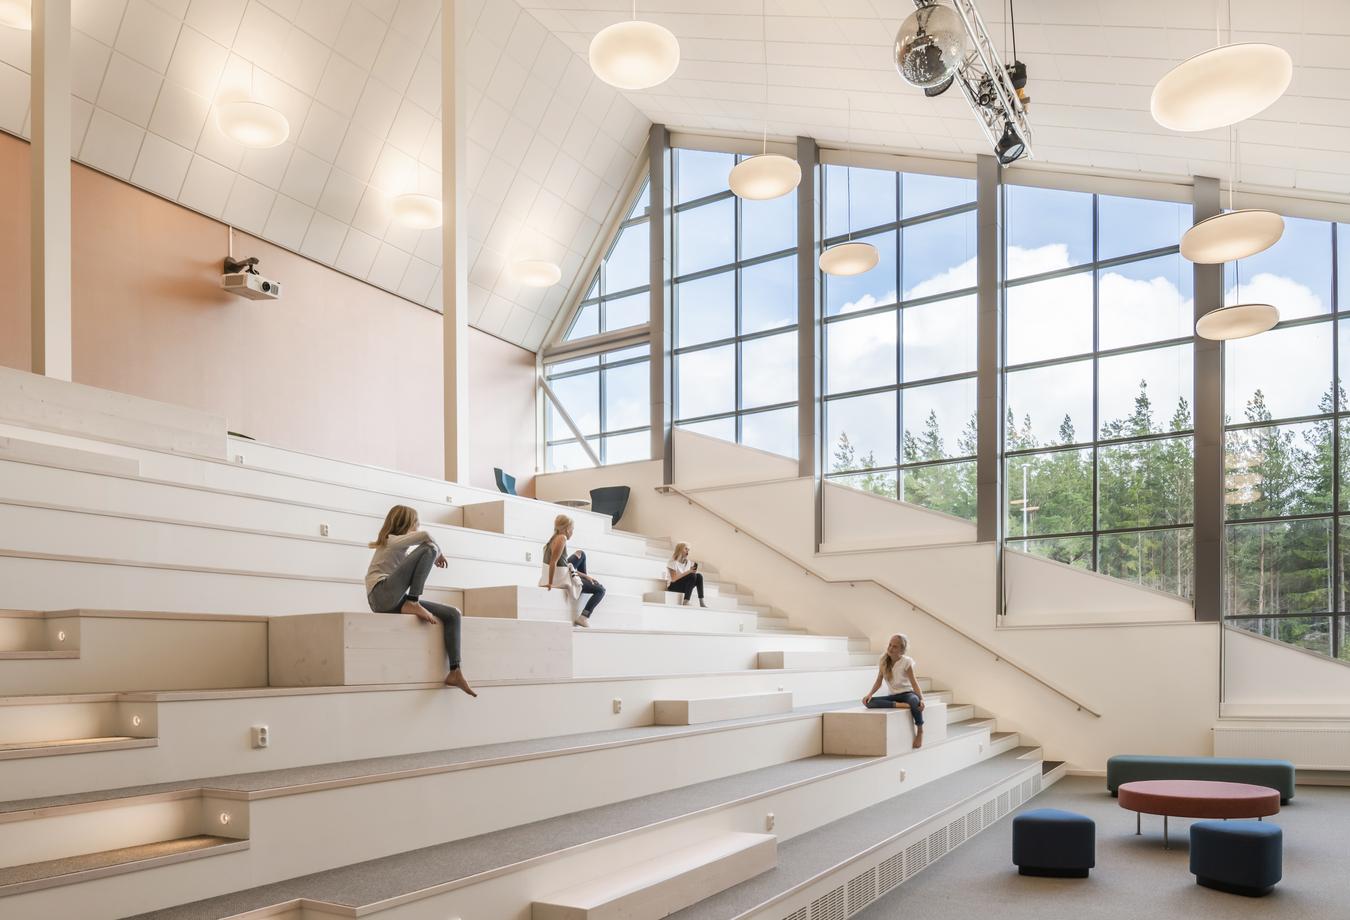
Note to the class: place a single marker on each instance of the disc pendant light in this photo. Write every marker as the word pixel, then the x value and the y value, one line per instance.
pixel 252 123
pixel 1237 321
pixel 1222 86
pixel 635 54
pixel 848 257
pixel 1232 235
pixel 766 175
pixel 419 212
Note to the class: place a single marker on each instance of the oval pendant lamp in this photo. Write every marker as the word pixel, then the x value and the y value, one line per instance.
pixel 635 54
pixel 1237 322
pixel 536 273
pixel 420 212
pixel 1232 235
pixel 767 175
pixel 253 124
pixel 1222 86
pixel 849 257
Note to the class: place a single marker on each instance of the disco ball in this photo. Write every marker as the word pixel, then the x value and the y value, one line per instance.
pixel 930 46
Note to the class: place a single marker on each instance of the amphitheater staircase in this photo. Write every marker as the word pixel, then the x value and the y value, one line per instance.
pixel 199 718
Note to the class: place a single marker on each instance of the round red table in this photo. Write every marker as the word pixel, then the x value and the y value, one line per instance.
pixel 1193 798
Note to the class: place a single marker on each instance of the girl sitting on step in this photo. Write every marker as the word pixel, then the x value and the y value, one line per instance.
pixel 897 669
pixel 556 558
pixel 683 575
pixel 398 572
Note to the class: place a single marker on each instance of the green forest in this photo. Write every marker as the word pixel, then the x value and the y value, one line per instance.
pixel 1144 491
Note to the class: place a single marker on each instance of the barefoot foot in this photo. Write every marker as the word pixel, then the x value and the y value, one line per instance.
pixel 456 679
pixel 918 738
pixel 412 608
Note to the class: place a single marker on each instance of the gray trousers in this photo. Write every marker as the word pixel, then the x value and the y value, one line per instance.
pixel 406 584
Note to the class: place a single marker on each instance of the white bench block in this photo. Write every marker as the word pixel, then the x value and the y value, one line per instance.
pixel 697 710
pixel 881 732
pixel 796 660
pixel 71 457
pixel 349 649
pixel 659 887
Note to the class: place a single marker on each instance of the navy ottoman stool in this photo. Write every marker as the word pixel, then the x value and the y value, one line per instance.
pixel 1054 843
pixel 1241 857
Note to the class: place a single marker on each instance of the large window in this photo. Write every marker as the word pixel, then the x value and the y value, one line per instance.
pixel 735 308
pixel 1098 384
pixel 899 340
pixel 618 295
pixel 607 394
pixel 607 397
pixel 1286 499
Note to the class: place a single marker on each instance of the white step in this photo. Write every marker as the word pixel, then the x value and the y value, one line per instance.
pixel 696 710
pixel 600 652
pixel 791 658
pixel 881 732
pixel 206 733
pixel 73 458
pixel 122 650
pixel 713 600
pixel 350 649
pixel 659 887
pixel 525 518
pixel 616 611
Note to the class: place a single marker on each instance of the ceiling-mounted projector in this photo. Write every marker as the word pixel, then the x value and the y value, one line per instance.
pixel 242 278
pixel 939 45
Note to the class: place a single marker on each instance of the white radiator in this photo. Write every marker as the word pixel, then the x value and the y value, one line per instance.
pixel 1309 746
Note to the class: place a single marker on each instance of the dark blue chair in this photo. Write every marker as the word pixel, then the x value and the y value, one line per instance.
pixel 1052 843
pixel 1240 857
pixel 611 500
pixel 505 481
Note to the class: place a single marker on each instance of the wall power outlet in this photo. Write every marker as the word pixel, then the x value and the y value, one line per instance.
pixel 262 736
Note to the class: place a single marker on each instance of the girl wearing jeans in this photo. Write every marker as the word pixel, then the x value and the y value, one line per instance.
pixel 555 554
pixel 897 669
pixel 398 572
pixel 683 575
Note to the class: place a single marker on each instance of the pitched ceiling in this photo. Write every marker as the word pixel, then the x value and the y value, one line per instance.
pixel 1092 67
pixel 550 148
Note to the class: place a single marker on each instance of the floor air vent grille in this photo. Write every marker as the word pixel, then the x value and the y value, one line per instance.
pixel 830 906
pixel 956 833
pixel 990 813
pixel 800 914
pixel 1003 804
pixel 937 844
pixel 862 890
pixel 916 857
pixel 891 872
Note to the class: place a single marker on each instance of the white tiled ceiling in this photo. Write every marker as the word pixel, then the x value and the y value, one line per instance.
pixel 550 147
pixel 1092 67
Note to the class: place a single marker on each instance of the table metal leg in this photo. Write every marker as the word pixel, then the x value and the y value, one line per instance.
pixel 1166 843
pixel 1138 817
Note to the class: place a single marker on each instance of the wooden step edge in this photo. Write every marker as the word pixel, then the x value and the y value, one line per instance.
pixel 72 870
pixel 28 749
pixel 44 655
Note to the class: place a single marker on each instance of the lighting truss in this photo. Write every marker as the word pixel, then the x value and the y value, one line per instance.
pixel 985 81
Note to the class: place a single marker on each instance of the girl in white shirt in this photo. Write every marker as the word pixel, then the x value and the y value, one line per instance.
pixel 897 669
pixel 683 575
pixel 397 575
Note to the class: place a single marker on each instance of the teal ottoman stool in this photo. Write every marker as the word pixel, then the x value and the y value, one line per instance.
pixel 1240 857
pixel 1052 843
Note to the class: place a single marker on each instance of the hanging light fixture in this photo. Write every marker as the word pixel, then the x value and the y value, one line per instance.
pixel 420 212
pixel 536 273
pixel 1222 86
pixel 1237 322
pixel 635 54
pixel 765 175
pixel 17 14
pixel 848 258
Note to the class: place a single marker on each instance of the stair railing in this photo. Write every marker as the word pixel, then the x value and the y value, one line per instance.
pixel 825 579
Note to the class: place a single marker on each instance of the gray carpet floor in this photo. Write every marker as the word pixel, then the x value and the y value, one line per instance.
pixel 1135 877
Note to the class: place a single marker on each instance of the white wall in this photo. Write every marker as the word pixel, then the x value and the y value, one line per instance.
pixel 1262 676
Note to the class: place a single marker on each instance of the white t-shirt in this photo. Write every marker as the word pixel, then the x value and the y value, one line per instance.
pixel 675 569
pixel 899 681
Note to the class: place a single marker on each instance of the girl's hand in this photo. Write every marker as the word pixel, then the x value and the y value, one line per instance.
pixel 441 562
pixel 867 699
pixel 922 705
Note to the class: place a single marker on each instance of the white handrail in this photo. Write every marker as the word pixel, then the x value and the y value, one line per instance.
pixel 806 569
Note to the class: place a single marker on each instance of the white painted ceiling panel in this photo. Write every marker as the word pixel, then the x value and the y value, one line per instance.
pixel 550 149
pixel 1092 67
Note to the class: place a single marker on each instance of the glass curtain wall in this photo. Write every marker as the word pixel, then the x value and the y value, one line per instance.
pixel 735 305
pixel 899 340
pixel 1286 422
pixel 1098 425
pixel 607 394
